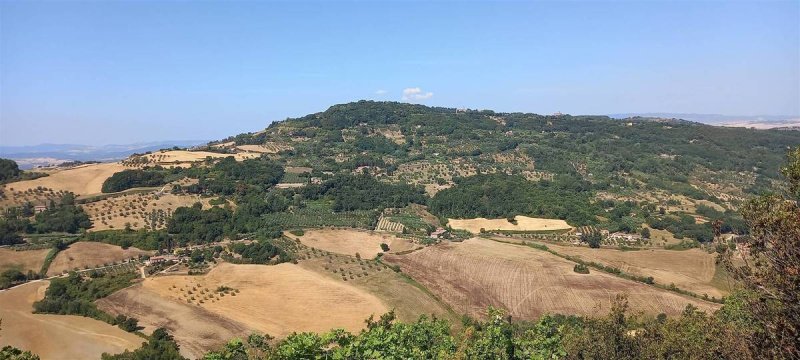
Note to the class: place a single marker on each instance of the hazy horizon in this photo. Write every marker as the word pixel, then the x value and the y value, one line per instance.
pixel 74 73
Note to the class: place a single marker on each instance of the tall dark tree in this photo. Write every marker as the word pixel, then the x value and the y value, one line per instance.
pixel 771 273
pixel 8 169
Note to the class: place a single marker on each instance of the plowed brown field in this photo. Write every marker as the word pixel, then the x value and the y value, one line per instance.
pixel 195 329
pixel 527 282
pixel 691 269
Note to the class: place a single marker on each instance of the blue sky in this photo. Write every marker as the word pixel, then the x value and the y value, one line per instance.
pixel 120 72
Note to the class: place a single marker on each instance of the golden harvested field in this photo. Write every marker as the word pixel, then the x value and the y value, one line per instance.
pixel 22 260
pixel 289 185
pixel 57 336
pixel 224 145
pixel 527 282
pixel 92 254
pixel 524 223
pixel 662 237
pixel 264 149
pixel 183 158
pixel 81 180
pixel 350 241
pixel 195 329
pixel 691 269
pixel 395 291
pixel 140 210
pixel 298 169
pixel 276 299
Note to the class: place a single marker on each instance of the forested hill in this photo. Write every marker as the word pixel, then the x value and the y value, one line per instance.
pixel 631 151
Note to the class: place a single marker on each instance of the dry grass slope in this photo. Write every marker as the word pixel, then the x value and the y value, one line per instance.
pixel 81 180
pixel 57 336
pixel 691 270
pixel 22 260
pixel 524 223
pixel 91 254
pixel 276 300
pixel 195 329
pixel 477 273
pixel 350 241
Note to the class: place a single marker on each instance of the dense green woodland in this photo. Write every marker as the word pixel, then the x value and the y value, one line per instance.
pixel 501 195
pixel 606 145
pixel 364 192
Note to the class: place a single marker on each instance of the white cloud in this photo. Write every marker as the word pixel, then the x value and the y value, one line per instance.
pixel 415 94
pixel 381 92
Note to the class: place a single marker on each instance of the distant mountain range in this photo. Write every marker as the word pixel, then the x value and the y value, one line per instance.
pixel 52 154
pixel 787 122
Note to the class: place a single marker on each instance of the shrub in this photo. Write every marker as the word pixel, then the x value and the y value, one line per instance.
pixel 581 269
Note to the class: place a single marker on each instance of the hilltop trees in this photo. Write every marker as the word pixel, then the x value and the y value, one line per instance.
pixel 8 170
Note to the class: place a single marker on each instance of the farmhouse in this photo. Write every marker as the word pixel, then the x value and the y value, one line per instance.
pixel 438 233
pixel 39 208
pixel 629 238
pixel 161 258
